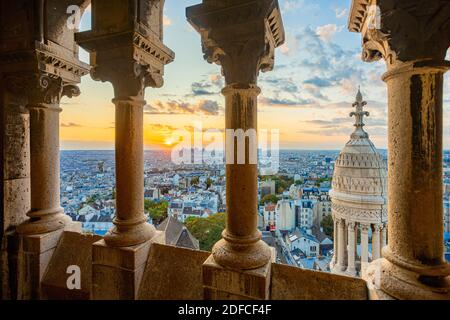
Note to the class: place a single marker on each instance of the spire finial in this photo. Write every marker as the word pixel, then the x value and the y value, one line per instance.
pixel 359 116
pixel 359 97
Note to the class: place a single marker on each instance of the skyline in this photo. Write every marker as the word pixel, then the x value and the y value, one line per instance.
pixel 308 96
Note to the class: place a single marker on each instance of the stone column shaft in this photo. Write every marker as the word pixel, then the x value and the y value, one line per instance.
pixel 383 237
pixel 341 245
pixel 364 247
pixel 335 241
pixel 376 253
pixel 415 173
pixel 413 39
pixel 130 223
pixel 241 234
pixel 351 248
pixel 46 214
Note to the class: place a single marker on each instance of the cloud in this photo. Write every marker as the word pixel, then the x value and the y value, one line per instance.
pixel 319 82
pixel 173 107
pixel 341 126
pixel 315 91
pixel 284 102
pixel 282 84
pixel 202 89
pixel 70 125
pixel 166 21
pixel 211 85
pixel 292 5
pixel 326 32
pixel 341 13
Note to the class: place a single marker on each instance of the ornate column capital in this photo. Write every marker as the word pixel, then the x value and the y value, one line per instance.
pixel 129 78
pixel 40 87
pixel 402 31
pixel 241 36
pixel 351 225
pixel 130 54
pixel 377 227
pixel 364 228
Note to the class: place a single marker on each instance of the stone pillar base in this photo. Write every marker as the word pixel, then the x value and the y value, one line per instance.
pixel 220 283
pixel 351 272
pixel 117 271
pixel 35 253
pixel 386 281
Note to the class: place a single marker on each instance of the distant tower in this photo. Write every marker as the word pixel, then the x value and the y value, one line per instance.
pixel 358 199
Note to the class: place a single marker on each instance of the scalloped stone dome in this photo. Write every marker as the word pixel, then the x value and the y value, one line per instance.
pixel 359 186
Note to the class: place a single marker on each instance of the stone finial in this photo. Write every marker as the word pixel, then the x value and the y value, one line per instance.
pixel 359 114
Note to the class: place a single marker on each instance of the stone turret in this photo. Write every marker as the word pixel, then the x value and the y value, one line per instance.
pixel 359 197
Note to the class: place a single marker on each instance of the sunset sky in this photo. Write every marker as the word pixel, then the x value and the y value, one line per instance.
pixel 307 97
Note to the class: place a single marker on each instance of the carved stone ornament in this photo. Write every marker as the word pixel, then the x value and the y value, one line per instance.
pixel 40 87
pixel 402 31
pixel 239 36
pixel 129 79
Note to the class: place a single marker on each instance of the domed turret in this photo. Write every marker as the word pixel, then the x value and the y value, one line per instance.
pixel 359 198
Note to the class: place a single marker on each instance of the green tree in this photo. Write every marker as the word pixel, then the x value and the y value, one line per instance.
pixel 157 211
pixel 208 182
pixel 268 198
pixel 207 230
pixel 92 199
pixel 328 225
pixel 195 181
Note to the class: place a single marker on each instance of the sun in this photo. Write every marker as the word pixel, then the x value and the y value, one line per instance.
pixel 169 142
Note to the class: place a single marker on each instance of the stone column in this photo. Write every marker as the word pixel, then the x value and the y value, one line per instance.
pixel 39 235
pixel 241 246
pixel 413 40
pixel 131 227
pixel 383 236
pixel 364 247
pixel 119 260
pixel 351 270
pixel 376 242
pixel 236 36
pixel 131 60
pixel 341 246
pixel 335 240
pixel 46 214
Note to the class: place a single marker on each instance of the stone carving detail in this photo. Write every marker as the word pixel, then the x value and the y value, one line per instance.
pixel 40 87
pixel 356 214
pixel 241 37
pixel 241 60
pixel 128 78
pixel 409 30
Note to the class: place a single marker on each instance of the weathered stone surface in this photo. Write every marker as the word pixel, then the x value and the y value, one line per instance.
pixel 224 283
pixel 17 143
pixel 291 283
pixel 74 249
pixel 117 271
pixel 17 201
pixel 173 273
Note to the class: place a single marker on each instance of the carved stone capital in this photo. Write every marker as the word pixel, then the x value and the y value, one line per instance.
pixel 40 87
pixel 239 36
pixel 364 228
pixel 402 31
pixel 377 227
pixel 130 54
pixel 129 79
pixel 351 226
